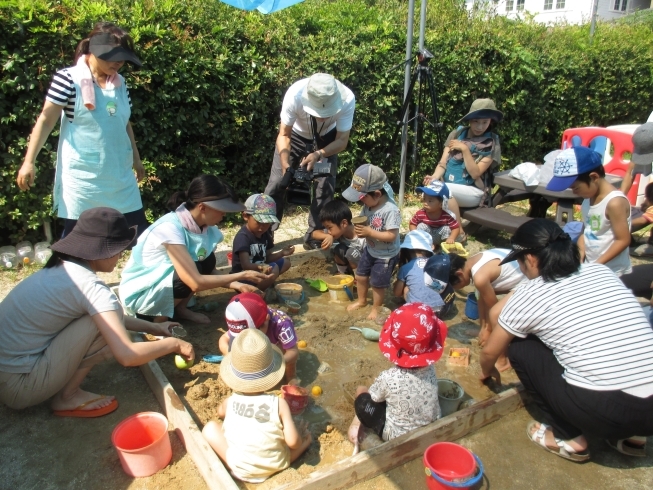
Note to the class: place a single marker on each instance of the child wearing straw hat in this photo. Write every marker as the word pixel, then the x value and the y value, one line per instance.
pixel 249 310
pixel 405 397
pixel 258 436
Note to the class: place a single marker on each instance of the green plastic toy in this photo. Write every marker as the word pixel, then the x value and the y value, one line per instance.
pixel 318 284
pixel 368 333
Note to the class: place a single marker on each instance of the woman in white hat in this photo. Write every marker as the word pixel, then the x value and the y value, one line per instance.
pixel 258 436
pixel 470 150
pixel 316 118
pixel 97 154
pixel 62 320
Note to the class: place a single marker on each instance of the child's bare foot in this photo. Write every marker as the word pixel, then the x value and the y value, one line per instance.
pixel 374 313
pixel 78 398
pixel 357 305
pixel 502 364
pixel 183 313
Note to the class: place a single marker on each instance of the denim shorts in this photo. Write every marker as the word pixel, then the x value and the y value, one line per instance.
pixel 378 270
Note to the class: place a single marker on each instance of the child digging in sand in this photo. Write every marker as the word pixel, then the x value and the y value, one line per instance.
pixel 258 436
pixel 249 310
pixel 381 233
pixel 252 247
pixel 405 397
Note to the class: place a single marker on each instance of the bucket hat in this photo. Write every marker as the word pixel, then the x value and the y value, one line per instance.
pixel 643 148
pixel 418 240
pixel 262 208
pixel 253 364
pixel 245 310
pixel 569 164
pixel 436 188
pixel 413 336
pixel 483 109
pixel 323 96
pixel 436 272
pixel 367 178
pixel 99 233
pixel 105 47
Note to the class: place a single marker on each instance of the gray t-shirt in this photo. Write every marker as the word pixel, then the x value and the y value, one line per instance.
pixel 42 305
pixel 386 217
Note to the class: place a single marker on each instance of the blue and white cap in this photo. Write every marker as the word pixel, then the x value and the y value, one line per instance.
pixel 569 164
pixel 436 272
pixel 436 188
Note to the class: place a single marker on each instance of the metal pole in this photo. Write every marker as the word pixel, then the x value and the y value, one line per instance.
pixel 404 127
pixel 595 8
pixel 422 23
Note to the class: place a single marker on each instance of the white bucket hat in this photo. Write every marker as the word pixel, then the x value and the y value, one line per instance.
pixel 323 96
pixel 418 240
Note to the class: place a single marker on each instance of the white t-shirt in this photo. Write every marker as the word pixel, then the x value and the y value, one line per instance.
pixel 164 233
pixel 293 114
pixel 42 305
pixel 592 323
pixel 509 277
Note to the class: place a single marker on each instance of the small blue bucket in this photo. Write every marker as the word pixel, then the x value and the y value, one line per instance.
pixel 471 307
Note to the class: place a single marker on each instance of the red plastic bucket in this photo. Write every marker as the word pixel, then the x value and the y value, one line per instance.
pixel 448 465
pixel 142 443
pixel 230 256
pixel 296 396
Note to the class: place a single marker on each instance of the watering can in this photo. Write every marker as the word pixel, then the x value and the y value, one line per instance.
pixel 368 333
pixel 318 284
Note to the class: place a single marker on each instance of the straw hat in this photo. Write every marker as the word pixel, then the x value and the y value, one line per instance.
pixel 253 364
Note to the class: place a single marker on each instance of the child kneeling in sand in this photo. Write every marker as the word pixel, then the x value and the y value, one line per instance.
pixel 405 397
pixel 249 310
pixel 258 436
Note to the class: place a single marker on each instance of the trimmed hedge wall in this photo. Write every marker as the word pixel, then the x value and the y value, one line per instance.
pixel 209 94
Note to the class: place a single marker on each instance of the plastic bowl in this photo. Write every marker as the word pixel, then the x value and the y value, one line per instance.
pixel 289 291
pixel 454 248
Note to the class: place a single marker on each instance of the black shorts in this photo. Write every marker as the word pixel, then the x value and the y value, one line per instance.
pixel 349 255
pixel 370 413
pixel 180 289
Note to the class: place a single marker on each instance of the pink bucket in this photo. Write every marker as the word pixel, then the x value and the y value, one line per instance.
pixel 142 443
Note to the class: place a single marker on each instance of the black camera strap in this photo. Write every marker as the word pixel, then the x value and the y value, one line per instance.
pixel 320 141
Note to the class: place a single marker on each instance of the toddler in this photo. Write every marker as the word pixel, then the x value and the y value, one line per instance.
pixel 252 247
pixel 258 436
pixel 405 397
pixel 249 310
pixel 335 217
pixel 433 218
pixel 606 234
pixel 381 234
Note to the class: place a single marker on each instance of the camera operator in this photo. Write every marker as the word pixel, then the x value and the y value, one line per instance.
pixel 316 118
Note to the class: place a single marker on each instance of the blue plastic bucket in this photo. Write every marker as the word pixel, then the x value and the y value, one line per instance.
pixel 471 307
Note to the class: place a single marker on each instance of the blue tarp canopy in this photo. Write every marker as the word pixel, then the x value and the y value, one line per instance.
pixel 263 6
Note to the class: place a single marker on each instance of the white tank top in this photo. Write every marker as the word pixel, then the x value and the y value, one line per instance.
pixel 254 433
pixel 598 235
pixel 510 276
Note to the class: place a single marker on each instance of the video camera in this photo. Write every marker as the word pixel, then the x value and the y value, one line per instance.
pixel 299 182
pixel 424 56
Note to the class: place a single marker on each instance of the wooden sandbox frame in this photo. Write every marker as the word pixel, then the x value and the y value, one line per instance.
pixel 349 471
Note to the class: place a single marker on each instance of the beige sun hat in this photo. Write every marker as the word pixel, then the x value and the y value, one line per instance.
pixel 323 95
pixel 483 109
pixel 253 364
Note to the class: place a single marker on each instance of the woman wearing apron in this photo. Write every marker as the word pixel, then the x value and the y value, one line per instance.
pixel 97 154
pixel 174 257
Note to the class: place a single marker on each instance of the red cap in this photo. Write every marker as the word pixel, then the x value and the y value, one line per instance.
pixel 413 336
pixel 245 310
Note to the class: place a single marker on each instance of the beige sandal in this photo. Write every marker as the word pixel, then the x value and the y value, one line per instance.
pixel 563 450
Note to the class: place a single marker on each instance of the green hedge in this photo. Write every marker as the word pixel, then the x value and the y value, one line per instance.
pixel 213 77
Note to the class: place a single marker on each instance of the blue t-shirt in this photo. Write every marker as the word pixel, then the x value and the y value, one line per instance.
pixel 412 274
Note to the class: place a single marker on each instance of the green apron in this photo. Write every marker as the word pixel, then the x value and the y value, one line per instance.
pixel 147 288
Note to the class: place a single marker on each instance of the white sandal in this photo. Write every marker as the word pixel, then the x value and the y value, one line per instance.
pixel 563 450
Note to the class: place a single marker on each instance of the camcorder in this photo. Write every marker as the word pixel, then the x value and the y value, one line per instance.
pixel 298 182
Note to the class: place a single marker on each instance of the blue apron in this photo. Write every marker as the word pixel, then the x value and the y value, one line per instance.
pixel 456 173
pixel 147 288
pixel 95 156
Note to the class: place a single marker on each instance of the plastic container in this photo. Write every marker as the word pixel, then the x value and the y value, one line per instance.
pixel 448 465
pixel 471 307
pixel 142 443
pixel 25 252
pixel 293 307
pixel 230 256
pixel 360 220
pixel 337 285
pixel 454 248
pixel 42 252
pixel 450 403
pixel 296 396
pixel 8 257
pixel 289 291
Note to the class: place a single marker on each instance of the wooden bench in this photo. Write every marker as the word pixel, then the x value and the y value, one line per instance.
pixel 494 218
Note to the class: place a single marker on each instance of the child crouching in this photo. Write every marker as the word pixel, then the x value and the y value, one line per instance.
pixel 249 310
pixel 381 233
pixel 258 436
pixel 434 218
pixel 405 397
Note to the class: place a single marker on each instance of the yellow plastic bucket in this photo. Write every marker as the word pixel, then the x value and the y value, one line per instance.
pixel 337 285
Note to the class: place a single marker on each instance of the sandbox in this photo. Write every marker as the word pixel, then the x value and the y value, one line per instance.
pixel 337 359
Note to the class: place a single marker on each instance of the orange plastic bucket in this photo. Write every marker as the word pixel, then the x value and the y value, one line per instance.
pixel 297 398
pixel 142 443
